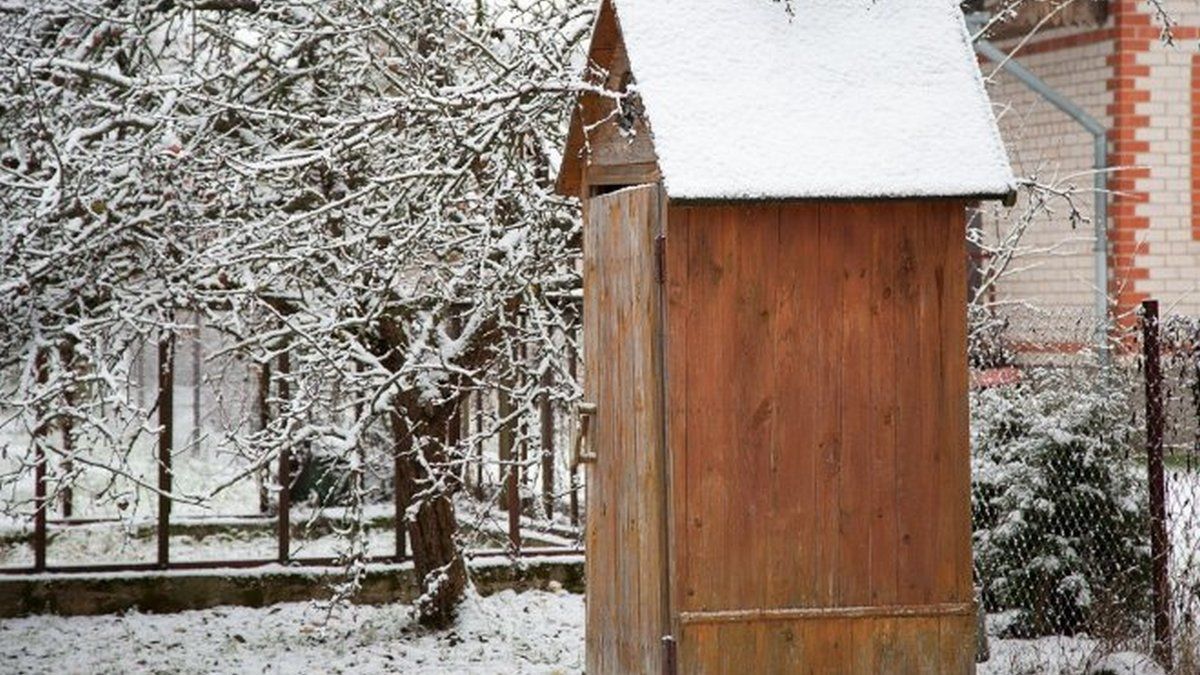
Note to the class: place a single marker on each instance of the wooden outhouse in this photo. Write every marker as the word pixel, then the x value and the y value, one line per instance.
pixel 775 417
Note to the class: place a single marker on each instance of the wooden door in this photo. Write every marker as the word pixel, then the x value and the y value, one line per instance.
pixel 626 590
pixel 817 405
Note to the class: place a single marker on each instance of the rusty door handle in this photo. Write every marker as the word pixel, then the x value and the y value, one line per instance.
pixel 583 453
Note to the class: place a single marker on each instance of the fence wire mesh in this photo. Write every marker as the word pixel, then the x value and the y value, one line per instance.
pixel 1062 492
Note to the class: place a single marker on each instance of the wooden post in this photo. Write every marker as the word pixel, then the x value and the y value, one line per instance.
pixel 509 463
pixel 1159 544
pixel 285 469
pixel 546 413
pixel 166 423
pixel 39 470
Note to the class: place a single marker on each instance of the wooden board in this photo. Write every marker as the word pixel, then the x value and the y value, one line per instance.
pixel 626 562
pixel 817 388
pixel 607 145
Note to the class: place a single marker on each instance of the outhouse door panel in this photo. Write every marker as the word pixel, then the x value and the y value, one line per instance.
pixel 816 363
pixel 623 378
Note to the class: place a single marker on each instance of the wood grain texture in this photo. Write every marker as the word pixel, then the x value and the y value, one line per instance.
pixel 818 435
pixel 606 147
pixel 626 561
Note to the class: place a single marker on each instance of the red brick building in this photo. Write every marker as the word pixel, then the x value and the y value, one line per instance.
pixel 1111 59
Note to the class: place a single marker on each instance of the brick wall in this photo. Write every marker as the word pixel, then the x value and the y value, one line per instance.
pixel 1166 252
pixel 1149 94
pixel 1056 268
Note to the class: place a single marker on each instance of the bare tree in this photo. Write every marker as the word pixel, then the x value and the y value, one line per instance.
pixel 364 188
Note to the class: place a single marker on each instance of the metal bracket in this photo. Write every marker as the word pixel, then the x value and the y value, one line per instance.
pixel 583 453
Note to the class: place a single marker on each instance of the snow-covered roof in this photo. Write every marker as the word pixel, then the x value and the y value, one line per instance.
pixel 847 99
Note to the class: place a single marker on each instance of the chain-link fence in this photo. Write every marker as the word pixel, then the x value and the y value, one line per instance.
pixel 1067 491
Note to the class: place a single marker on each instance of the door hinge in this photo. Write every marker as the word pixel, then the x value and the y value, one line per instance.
pixel 670 663
pixel 660 258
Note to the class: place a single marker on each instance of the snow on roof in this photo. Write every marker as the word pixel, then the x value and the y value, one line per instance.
pixel 849 98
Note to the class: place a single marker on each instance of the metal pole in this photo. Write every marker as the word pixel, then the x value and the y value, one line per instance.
pixel 477 442
pixel 166 434
pixel 1159 544
pixel 68 493
pixel 39 471
pixel 400 493
pixel 197 390
pixel 1100 167
pixel 285 470
pixel 546 413
pixel 572 360
pixel 509 461
pixel 264 421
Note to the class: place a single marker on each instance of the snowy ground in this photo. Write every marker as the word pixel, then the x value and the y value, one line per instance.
pixel 532 632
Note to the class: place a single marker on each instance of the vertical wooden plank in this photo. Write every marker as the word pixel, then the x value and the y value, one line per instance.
pixel 594 569
pixel 752 458
pixel 925 643
pixel 650 483
pixel 622 411
pixel 625 518
pixel 875 646
pixel 791 571
pixel 956 644
pixel 916 378
pixel 678 286
pixel 853 222
pixel 831 644
pixel 829 402
pixel 711 465
pixel 784 645
pixel 954 397
pixel 883 407
pixel 700 649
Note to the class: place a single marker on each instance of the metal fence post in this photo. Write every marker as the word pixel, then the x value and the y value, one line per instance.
pixel 1159 544
pixel 263 474
pixel 285 470
pixel 572 368
pixel 166 437
pixel 477 442
pixel 510 462
pixel 400 494
pixel 546 415
pixel 39 469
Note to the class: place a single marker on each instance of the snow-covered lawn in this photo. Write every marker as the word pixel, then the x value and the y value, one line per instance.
pixel 508 632
pixel 532 632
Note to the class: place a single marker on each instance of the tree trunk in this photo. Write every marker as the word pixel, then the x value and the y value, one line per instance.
pixel 431 526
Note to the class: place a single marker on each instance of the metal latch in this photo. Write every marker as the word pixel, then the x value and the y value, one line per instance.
pixel 583 453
